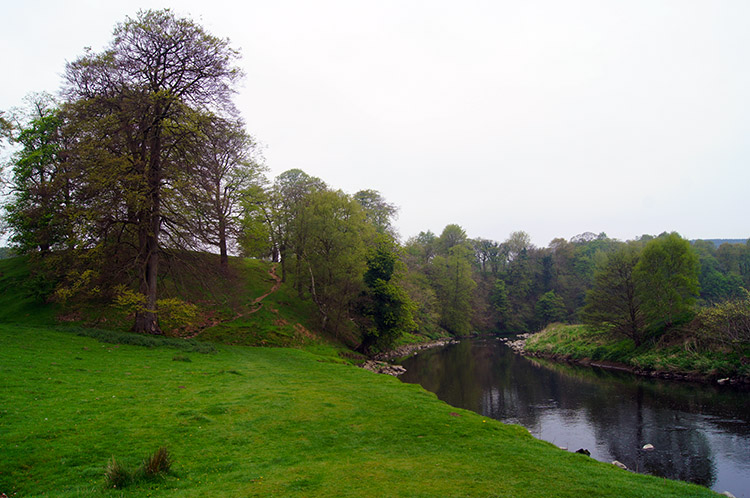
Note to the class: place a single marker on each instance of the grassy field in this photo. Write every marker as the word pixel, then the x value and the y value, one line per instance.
pixel 245 421
pixel 674 355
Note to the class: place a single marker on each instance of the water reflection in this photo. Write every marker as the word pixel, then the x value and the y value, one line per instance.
pixel 700 433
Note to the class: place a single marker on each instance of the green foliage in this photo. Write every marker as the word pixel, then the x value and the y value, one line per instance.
pixel 666 278
pixel 550 308
pixel 80 286
pixel 726 323
pixel 452 236
pixel 613 303
pixel 387 307
pixel 378 212
pixel 451 277
pixel 7 252
pixel 173 313
pixel 685 351
pixel 24 292
pixel 37 210
pixel 499 301
pixel 333 254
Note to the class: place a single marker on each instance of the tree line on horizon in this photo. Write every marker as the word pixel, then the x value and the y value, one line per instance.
pixel 144 158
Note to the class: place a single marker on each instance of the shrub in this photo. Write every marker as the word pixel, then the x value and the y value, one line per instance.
pixel 117 475
pixel 173 313
pixel 726 323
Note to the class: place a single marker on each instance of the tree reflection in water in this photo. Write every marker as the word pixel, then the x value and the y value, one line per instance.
pixel 700 433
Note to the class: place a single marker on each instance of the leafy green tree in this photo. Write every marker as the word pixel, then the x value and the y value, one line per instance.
pixel 387 306
pixel 223 178
pixel 143 91
pixel 550 308
pixel 716 284
pixel 667 281
pixel 421 249
pixel 451 277
pixel 735 260
pixel 613 303
pixel 379 213
pixel 500 303
pixel 334 255
pixel 37 205
pixel 39 186
pixel 452 236
pixel 285 213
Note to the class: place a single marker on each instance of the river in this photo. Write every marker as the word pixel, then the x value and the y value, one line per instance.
pixel 700 433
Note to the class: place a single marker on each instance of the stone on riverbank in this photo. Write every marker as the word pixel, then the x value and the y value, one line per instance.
pixel 382 367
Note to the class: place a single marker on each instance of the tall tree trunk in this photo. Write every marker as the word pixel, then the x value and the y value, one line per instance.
pixel 147 321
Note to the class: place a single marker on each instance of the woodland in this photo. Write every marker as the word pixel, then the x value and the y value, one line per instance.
pixel 143 161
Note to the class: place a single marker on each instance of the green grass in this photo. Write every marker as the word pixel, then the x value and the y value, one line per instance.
pixel 261 422
pixel 678 356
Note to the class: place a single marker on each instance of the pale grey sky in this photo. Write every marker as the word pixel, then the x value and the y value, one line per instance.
pixel 553 117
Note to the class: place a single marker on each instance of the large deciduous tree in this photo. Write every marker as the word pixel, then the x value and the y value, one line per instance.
pixel 667 280
pixel 222 179
pixel 387 308
pixel 39 184
pixel 333 255
pixel 613 303
pixel 143 92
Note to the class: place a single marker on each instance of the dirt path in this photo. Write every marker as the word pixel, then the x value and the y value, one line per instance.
pixel 257 302
pixel 277 283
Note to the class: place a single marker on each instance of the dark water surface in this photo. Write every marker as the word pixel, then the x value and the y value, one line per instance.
pixel 701 433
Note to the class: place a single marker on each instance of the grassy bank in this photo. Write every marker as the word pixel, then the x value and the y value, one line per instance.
pixel 261 422
pixel 673 355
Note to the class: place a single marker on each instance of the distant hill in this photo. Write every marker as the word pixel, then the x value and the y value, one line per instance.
pixel 718 242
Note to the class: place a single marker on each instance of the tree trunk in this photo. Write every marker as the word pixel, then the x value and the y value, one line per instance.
pixel 147 320
pixel 223 256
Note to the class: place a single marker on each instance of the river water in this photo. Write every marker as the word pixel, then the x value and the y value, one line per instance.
pixel 701 433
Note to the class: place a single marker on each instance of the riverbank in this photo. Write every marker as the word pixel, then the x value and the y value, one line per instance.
pixel 380 363
pixel 581 345
pixel 245 421
pixel 412 348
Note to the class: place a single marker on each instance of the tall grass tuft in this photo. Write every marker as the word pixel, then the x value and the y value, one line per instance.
pixel 158 463
pixel 117 475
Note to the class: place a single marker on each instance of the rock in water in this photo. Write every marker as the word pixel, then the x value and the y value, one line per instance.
pixel 620 464
pixel 583 451
pixel 648 447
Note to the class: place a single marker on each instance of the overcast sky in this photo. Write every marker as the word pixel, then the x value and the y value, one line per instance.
pixel 553 117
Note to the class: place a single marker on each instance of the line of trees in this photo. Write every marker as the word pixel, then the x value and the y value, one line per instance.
pixel 144 157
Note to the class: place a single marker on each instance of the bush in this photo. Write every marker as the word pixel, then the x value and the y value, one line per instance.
pixel 173 313
pixel 726 323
